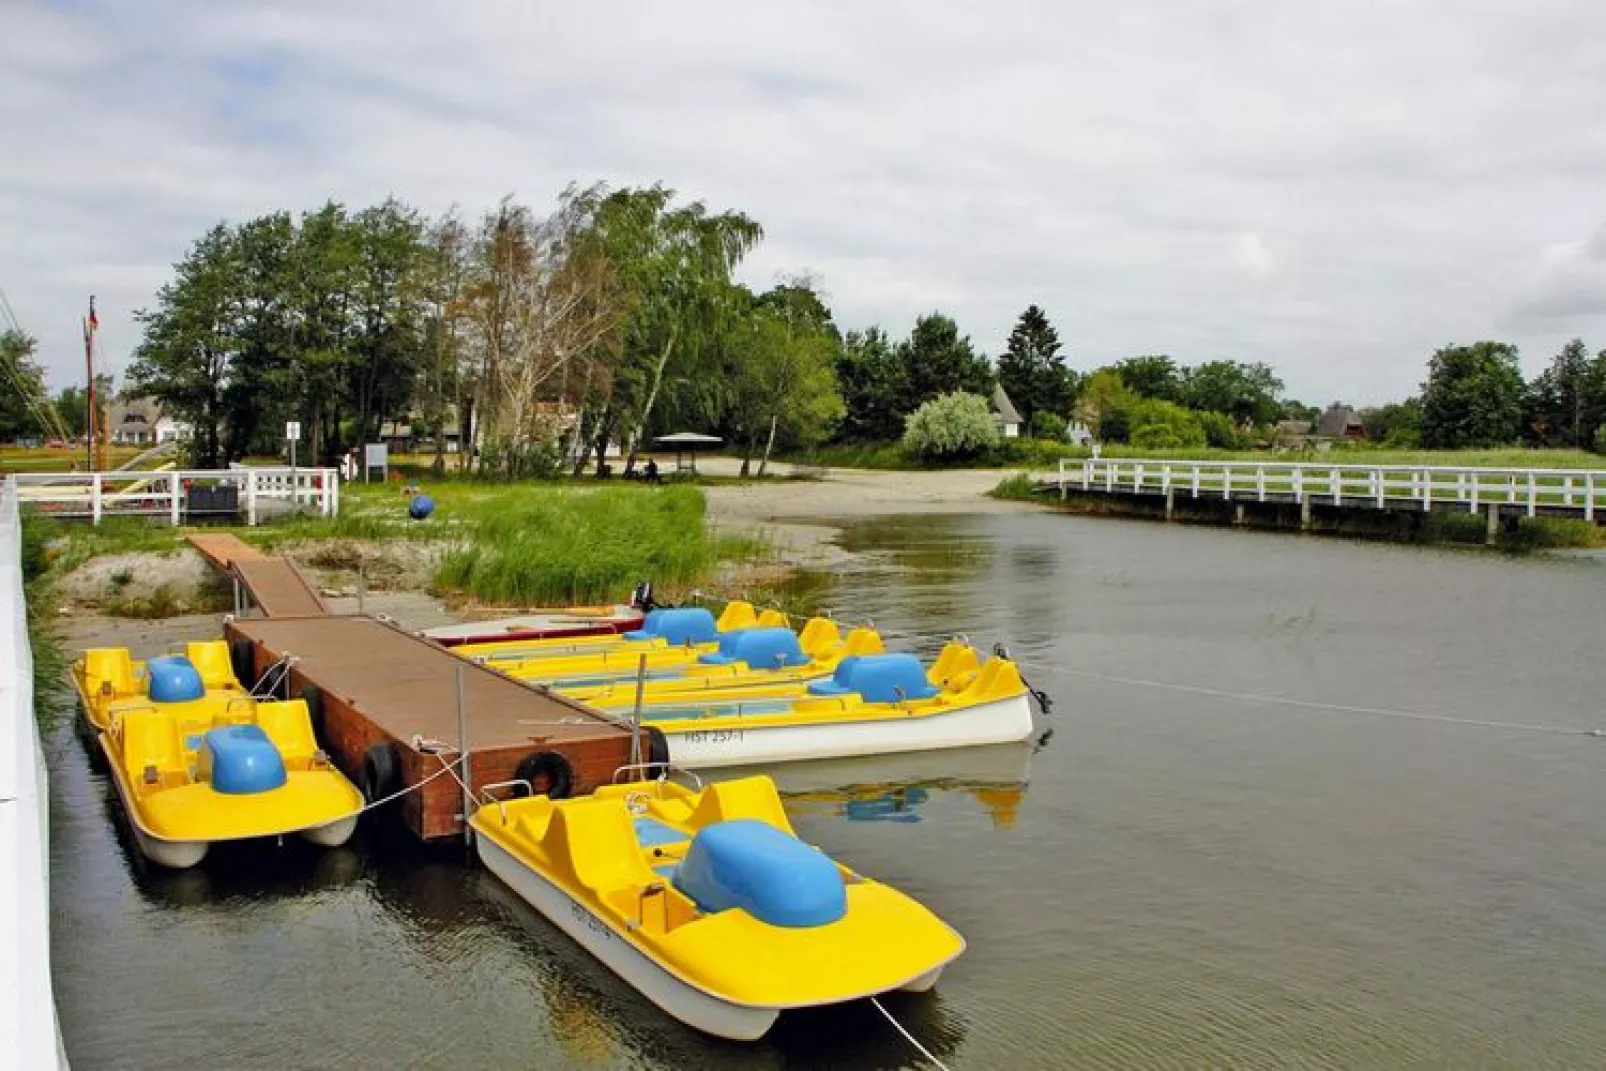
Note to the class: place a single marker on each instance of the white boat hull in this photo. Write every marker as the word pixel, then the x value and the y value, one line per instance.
pixel 334 834
pixel 183 854
pixel 687 1003
pixel 999 722
pixel 173 854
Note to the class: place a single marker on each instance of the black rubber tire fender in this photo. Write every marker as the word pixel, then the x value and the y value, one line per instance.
pixel 242 659
pixel 548 773
pixel 313 697
pixel 657 752
pixel 381 773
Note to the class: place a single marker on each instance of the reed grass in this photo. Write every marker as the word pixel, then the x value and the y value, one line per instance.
pixel 551 545
pixel 52 696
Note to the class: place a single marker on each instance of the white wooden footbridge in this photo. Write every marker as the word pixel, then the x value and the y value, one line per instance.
pixel 1497 493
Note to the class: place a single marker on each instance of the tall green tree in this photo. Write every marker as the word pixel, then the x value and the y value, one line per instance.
pixel 675 263
pixel 189 341
pixel 1032 370
pixel 938 360
pixel 1473 397
pixel 22 388
pixel 1155 376
pixel 257 395
pixel 874 385
pixel 444 270
pixel 1565 400
pixel 784 378
pixel 322 293
pixel 386 347
pixel 1246 392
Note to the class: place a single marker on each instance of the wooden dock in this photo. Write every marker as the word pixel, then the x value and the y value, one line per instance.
pixel 1501 495
pixel 386 706
pixel 273 584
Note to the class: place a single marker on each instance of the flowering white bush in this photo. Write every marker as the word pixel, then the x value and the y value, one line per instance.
pixel 951 425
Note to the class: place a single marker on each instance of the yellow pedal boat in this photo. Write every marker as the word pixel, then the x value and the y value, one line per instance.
pixel 815 648
pixel 108 679
pixel 874 705
pixel 662 627
pixel 707 685
pixel 192 772
pixel 707 903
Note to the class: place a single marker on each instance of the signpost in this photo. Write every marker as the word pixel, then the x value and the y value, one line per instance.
pixel 292 432
pixel 376 456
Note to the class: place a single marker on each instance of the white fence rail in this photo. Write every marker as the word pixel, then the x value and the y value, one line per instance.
pixel 1575 492
pixel 180 493
pixel 28 1027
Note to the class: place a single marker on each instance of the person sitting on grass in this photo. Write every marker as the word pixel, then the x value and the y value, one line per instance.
pixel 650 473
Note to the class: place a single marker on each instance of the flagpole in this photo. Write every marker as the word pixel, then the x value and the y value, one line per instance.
pixel 97 425
pixel 89 367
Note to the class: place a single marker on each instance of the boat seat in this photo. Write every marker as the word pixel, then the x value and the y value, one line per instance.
pixel 211 659
pixel 598 841
pixel 151 738
pixel 289 726
pixel 737 615
pixel 862 641
pixel 746 797
pixel 819 636
pixel 113 666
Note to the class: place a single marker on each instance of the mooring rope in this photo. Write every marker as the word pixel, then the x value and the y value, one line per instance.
pixel 1309 704
pixel 281 666
pixel 365 808
pixel 447 766
pixel 910 1038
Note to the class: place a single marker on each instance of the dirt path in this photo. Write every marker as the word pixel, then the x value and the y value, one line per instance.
pixel 803 517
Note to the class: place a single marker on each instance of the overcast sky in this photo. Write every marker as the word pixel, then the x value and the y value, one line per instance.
pixel 1334 189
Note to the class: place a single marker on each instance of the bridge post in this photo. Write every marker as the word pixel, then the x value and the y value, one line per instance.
pixel 1491 534
pixel 1305 523
pixel 1170 503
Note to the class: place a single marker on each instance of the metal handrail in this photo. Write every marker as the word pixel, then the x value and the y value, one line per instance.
pixel 664 768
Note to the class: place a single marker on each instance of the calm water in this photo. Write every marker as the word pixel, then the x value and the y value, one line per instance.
pixel 1171 878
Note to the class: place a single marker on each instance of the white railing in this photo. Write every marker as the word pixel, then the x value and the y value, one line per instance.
pixel 27 1007
pixel 177 494
pixel 1581 492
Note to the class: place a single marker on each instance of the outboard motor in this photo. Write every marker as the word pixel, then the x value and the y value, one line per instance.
pixel 641 598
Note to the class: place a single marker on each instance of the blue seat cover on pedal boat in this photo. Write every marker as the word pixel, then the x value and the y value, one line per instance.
pixel 771 875
pixel 758 648
pixel 173 679
pixel 651 833
pixel 881 678
pixel 240 760
pixel 690 624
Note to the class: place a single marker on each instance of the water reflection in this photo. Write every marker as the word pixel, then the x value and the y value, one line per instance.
pixel 895 788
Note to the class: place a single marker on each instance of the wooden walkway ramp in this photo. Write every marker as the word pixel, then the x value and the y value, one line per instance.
pixel 273 583
pixel 386 703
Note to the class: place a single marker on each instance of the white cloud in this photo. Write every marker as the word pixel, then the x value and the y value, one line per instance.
pixel 1335 191
pixel 1249 252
